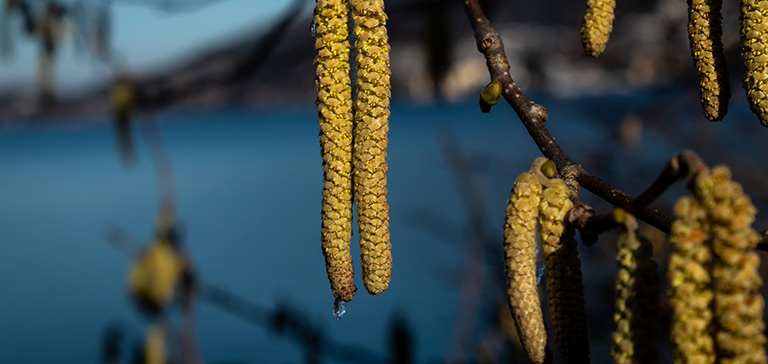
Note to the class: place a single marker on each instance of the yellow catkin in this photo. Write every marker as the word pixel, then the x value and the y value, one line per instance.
pixel 370 146
pixel 689 285
pixel 754 41
pixel 334 107
pixel 598 23
pixel 520 265
pixel 705 32
pixel 738 303
pixel 154 345
pixel 565 288
pixel 153 276
pixel 637 287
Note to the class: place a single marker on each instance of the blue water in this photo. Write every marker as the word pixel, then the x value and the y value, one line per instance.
pixel 249 196
pixel 249 186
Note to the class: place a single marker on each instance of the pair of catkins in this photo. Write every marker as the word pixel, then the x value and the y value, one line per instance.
pixel 705 33
pixel 353 141
pixel 540 198
pixel 714 284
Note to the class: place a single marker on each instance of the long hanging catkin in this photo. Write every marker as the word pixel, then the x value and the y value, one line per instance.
pixel 637 293
pixel 520 265
pixel 334 107
pixel 565 288
pixel 754 41
pixel 370 142
pixel 738 302
pixel 705 32
pixel 598 23
pixel 689 285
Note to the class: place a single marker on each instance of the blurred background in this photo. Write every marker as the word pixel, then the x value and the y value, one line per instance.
pixel 111 109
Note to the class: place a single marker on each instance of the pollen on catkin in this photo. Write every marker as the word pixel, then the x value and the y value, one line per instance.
pixel 520 265
pixel 705 32
pixel 738 303
pixel 334 108
pixel 370 142
pixel 565 288
pixel 637 292
pixel 689 285
pixel 598 23
pixel 754 41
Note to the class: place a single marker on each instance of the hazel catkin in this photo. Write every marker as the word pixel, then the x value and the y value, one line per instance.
pixel 334 108
pixel 155 345
pixel 565 288
pixel 704 33
pixel 154 275
pixel 738 304
pixel 520 265
pixel 754 40
pixel 689 285
pixel 597 26
pixel 370 142
pixel 637 286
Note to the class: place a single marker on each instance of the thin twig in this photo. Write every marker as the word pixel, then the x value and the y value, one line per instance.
pixel 683 165
pixel 161 160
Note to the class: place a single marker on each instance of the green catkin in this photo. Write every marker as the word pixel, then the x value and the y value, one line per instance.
pixel 370 142
pixel 738 304
pixel 689 285
pixel 598 23
pixel 705 32
pixel 754 41
pixel 565 288
pixel 334 106
pixel 637 292
pixel 520 265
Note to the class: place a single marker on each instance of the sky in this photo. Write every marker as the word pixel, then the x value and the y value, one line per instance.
pixel 146 39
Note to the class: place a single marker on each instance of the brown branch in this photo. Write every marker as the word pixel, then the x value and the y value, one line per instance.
pixel 533 116
pixel 684 165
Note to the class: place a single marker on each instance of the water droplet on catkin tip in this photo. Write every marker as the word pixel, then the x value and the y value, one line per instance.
pixel 339 308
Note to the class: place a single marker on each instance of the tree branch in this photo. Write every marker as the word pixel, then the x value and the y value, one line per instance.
pixel 533 116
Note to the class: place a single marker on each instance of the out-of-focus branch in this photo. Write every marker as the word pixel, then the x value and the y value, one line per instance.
pixel 160 160
pixel 162 92
pixel 472 280
pixel 171 6
pixel 281 320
